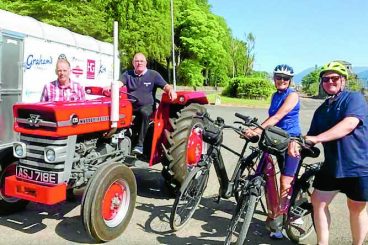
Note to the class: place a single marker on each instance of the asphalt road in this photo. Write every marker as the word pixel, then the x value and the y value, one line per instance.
pixel 61 224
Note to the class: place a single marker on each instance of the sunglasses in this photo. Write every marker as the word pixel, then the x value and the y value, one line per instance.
pixel 284 78
pixel 333 78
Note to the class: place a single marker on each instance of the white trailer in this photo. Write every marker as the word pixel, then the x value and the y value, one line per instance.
pixel 28 53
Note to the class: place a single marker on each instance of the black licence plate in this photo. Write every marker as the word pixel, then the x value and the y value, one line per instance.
pixel 37 175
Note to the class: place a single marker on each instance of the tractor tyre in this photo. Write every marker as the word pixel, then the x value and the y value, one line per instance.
pixel 108 202
pixel 9 205
pixel 184 144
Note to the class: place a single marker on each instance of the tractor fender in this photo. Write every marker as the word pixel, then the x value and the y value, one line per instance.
pixel 186 97
pixel 163 114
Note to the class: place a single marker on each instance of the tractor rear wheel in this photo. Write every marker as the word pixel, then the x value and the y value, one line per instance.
pixel 185 144
pixel 108 202
pixel 9 205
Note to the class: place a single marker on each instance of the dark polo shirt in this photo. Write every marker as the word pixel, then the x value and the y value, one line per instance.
pixel 144 86
pixel 348 156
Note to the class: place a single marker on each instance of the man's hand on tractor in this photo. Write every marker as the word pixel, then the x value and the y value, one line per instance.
pixel 173 95
pixel 106 91
pixel 171 92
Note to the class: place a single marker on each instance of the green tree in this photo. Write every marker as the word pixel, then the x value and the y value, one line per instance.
pixel 202 37
pixel 144 27
pixel 238 57
pixel 354 84
pixel 249 53
pixel 77 16
pixel 190 72
pixel 310 82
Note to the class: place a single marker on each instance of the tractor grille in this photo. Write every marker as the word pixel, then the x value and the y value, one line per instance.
pixel 35 152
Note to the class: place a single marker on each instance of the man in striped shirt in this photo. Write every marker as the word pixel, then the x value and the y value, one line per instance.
pixel 63 89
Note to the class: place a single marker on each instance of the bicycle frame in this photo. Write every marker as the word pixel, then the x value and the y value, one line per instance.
pixel 226 184
pixel 266 170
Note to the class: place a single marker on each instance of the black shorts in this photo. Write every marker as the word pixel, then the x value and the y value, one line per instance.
pixel 355 188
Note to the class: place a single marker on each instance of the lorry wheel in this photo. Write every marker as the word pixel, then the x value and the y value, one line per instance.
pixel 185 144
pixel 108 202
pixel 9 204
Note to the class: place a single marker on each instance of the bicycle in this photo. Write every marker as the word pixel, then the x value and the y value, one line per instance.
pixel 298 220
pixel 191 191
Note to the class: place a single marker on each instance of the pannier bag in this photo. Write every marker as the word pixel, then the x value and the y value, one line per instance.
pixel 212 134
pixel 274 140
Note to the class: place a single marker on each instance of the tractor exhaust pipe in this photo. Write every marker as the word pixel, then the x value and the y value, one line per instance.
pixel 114 117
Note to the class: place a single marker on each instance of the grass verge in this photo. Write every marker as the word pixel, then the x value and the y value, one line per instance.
pixel 228 101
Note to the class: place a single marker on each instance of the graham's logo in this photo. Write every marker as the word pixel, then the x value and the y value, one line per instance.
pixel 34 120
pixel 36 61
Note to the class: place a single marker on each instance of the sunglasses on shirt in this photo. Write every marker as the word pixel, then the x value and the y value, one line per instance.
pixel 284 78
pixel 333 78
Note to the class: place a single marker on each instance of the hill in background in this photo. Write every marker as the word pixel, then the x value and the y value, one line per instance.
pixel 361 71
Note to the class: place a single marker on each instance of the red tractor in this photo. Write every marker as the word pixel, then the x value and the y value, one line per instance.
pixel 64 146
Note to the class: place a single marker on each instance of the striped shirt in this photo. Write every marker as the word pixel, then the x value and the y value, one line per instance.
pixel 54 91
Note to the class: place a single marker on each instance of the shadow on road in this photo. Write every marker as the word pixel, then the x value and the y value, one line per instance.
pixel 209 214
pixel 213 226
pixel 30 221
pixel 71 229
pixel 151 184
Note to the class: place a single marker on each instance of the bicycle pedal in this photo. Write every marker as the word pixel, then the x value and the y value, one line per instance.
pixel 298 211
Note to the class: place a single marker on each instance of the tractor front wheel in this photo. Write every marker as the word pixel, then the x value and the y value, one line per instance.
pixel 108 202
pixel 185 144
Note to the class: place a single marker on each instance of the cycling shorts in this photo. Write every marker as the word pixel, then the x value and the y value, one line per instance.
pixel 289 166
pixel 355 188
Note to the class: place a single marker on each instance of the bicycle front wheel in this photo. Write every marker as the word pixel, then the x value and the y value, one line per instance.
pixel 241 220
pixel 188 197
pixel 300 222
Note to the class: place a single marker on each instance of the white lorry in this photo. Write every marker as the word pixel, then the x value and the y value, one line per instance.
pixel 28 52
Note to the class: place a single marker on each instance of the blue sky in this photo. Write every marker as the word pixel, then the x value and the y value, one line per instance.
pixel 301 33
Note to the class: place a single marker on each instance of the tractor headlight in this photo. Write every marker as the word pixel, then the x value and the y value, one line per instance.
pixel 19 150
pixel 50 155
pixel 53 154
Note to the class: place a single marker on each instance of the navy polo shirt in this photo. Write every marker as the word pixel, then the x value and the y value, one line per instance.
pixel 143 86
pixel 348 156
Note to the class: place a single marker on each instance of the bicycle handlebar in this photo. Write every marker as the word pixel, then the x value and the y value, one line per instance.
pixel 307 147
pixel 220 122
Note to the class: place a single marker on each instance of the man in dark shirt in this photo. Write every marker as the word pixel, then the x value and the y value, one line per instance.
pixel 142 83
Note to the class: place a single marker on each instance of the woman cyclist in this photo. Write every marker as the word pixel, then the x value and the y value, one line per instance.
pixel 341 125
pixel 283 113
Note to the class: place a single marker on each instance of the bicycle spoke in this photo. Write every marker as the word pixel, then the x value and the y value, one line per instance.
pixel 189 197
pixel 300 220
